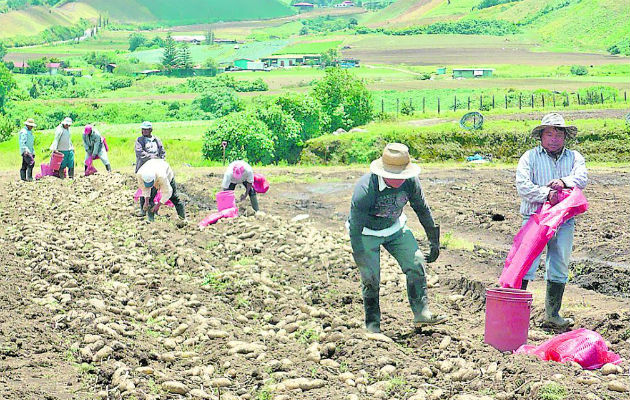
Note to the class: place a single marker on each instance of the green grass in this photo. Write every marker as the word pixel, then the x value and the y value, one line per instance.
pixel 283 31
pixel 310 47
pixel 552 391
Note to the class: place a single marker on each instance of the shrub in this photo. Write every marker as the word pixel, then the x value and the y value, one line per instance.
pixel 247 138
pixel 306 111
pixel 6 128
pixel 579 70
pixel 219 101
pixel 344 99
pixel 284 131
pixel 118 83
pixel 407 108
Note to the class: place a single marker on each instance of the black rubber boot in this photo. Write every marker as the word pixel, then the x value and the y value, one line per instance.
pixel 372 308
pixel 142 213
pixel 179 207
pixel 553 303
pixel 108 167
pixel 417 295
pixel 23 174
pixel 29 173
pixel 71 173
pixel 524 284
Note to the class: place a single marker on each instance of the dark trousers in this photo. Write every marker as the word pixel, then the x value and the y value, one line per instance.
pixel 28 162
pixel 179 206
pixel 252 195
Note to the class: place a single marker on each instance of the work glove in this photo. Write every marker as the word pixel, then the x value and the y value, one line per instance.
pixel 556 184
pixel 433 234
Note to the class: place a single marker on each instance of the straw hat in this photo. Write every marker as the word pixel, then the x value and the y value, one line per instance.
pixel 395 163
pixel 555 120
pixel 30 122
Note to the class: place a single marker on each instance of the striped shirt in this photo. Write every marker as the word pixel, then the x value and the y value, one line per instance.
pixel 537 168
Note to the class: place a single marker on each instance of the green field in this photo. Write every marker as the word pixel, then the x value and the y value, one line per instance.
pixel 310 47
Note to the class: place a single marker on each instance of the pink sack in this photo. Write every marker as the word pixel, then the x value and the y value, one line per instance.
pixel 536 233
pixel 45 171
pixel 261 185
pixel 583 346
pixel 213 218
pixel 90 169
pixel 105 143
pixel 158 197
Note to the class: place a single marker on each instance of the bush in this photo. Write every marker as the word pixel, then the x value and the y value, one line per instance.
pixel 345 99
pixel 579 70
pixel 284 131
pixel 118 83
pixel 247 138
pixel 306 111
pixel 219 101
pixel 622 47
pixel 6 128
pixel 407 108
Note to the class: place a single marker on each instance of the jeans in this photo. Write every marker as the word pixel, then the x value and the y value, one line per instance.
pixel 558 254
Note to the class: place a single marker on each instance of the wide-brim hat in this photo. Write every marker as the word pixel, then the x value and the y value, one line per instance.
pixel 67 121
pixel 395 163
pixel 556 120
pixel 30 122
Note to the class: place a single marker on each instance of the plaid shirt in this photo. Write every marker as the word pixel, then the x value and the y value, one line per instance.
pixel 537 168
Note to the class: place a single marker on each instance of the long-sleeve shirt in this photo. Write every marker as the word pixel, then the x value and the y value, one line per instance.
pixel 163 177
pixel 148 148
pixel 377 208
pixel 27 141
pixel 228 177
pixel 93 143
pixel 62 141
pixel 537 168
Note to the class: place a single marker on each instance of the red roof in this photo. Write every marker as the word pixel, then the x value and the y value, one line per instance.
pixel 20 64
pixel 303 5
pixel 53 65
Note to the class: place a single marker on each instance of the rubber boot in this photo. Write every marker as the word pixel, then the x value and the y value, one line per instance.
pixel 372 309
pixel 179 207
pixel 524 284
pixel 71 173
pixel 29 173
pixel 254 199
pixel 141 213
pixel 150 215
pixel 417 295
pixel 108 167
pixel 22 174
pixel 553 302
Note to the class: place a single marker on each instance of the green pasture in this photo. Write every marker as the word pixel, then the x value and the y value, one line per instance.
pixel 310 47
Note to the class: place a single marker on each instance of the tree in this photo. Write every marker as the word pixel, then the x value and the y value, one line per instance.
pixel 219 101
pixel 306 111
pixel 184 58
pixel 329 57
pixel 210 37
pixel 247 138
pixel 285 132
pixel 99 60
pixel 6 84
pixel 345 99
pixel 169 57
pixel 37 66
pixel 3 50
pixel 136 40
pixel 212 65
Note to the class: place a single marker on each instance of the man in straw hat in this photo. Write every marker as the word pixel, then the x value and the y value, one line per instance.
pixel 63 144
pixel 542 172
pixel 27 149
pixel 147 147
pixel 377 219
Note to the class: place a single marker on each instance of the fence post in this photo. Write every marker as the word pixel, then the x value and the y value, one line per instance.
pixel 568 101
pixel 506 101
pixel 410 102
pixel 480 101
pixel 455 103
pixel 625 96
pixel 601 96
pixel 554 100
pixel 579 102
pixel 492 101
pixel 519 101
pixel 423 104
pixel 438 105
pixel 543 100
pixel 382 106
pixel 397 106
pixel 532 100
pixel 468 103
pixel 614 98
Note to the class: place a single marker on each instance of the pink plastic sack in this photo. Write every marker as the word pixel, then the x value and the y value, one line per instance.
pixel 45 171
pixel 90 169
pixel 158 197
pixel 536 233
pixel 213 218
pixel 583 346
pixel 261 185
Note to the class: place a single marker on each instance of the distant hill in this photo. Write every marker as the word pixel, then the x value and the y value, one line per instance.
pixel 564 24
pixel 34 20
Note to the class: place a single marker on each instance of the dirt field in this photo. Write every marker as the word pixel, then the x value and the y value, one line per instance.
pixel 96 303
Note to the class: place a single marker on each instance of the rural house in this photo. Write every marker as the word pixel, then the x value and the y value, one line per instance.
pixel 20 66
pixel 54 67
pixel 459 73
pixel 241 63
pixel 196 39
pixel 291 60
pixel 304 6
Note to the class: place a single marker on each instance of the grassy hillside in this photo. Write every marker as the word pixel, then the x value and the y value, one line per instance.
pixel 34 20
pixel 559 24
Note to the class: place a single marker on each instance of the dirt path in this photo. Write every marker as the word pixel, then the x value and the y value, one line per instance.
pixel 263 307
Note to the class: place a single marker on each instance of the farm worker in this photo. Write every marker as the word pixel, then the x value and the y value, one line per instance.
pixel 63 143
pixel 240 172
pixel 27 149
pixel 541 173
pixel 147 147
pixel 94 147
pixel 156 175
pixel 377 219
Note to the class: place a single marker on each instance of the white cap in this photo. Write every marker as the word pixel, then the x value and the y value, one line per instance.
pixel 67 121
pixel 146 125
pixel 148 177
